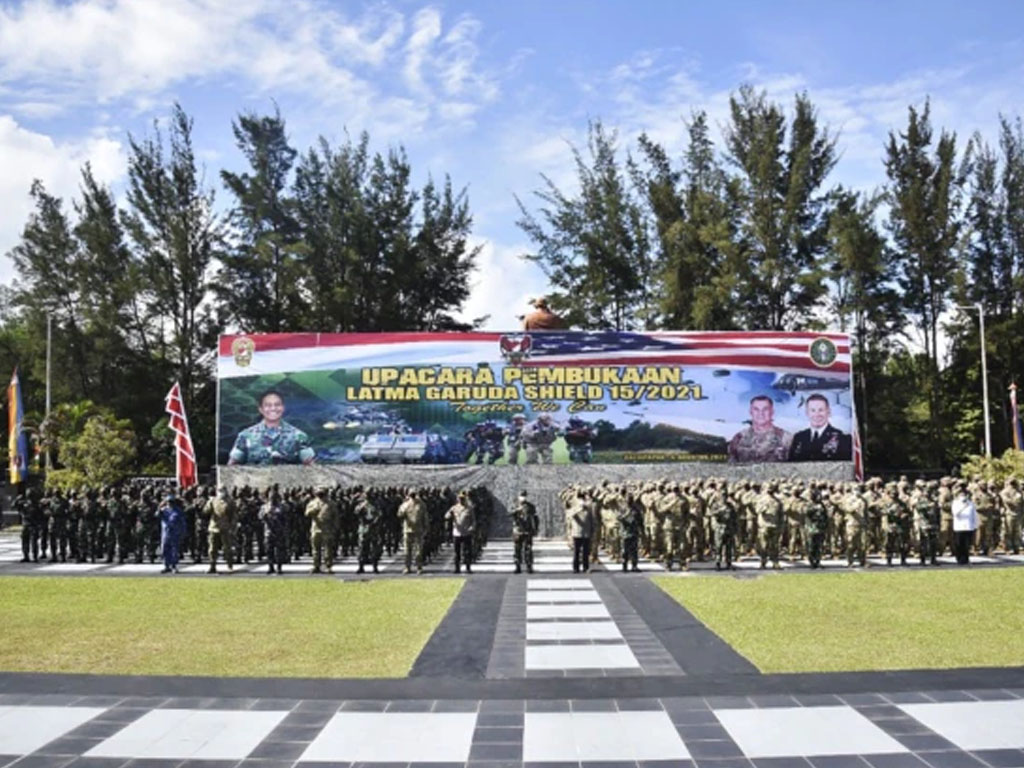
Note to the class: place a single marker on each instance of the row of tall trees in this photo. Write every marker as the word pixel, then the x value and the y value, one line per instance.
pixel 746 231
pixel 335 239
pixel 752 232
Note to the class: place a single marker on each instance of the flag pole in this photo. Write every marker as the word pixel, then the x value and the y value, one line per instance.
pixel 49 338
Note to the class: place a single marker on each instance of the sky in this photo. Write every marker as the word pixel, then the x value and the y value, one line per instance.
pixel 493 94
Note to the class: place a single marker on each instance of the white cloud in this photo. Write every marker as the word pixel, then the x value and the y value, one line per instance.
pixel 138 51
pixel 502 285
pixel 28 155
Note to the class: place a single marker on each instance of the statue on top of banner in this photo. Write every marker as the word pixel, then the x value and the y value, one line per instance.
pixel 542 318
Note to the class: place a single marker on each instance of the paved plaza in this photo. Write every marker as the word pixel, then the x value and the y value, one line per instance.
pixel 551 669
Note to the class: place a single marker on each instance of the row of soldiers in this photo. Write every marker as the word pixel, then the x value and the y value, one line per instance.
pixel 677 522
pixel 245 525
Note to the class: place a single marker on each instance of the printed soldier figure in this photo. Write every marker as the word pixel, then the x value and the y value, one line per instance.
pixel 538 438
pixel 631 519
pixel 762 441
pixel 222 512
pixel 769 521
pixel 816 521
pixel 273 440
pixel 515 438
pixel 321 515
pixel 1012 501
pixel 274 517
pixel 723 517
pixel 579 437
pixel 368 517
pixel 525 524
pixel 413 516
pixel 896 523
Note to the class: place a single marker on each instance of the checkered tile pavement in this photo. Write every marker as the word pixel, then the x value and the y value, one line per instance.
pixel 938 729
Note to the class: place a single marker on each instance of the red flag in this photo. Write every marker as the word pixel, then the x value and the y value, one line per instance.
pixel 185 464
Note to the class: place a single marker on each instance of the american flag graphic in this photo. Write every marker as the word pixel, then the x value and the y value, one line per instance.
pixel 185 457
pixel 784 352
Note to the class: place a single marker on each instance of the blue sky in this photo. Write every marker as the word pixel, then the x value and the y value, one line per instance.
pixel 488 92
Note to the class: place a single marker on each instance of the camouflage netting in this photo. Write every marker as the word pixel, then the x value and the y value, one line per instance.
pixel 542 482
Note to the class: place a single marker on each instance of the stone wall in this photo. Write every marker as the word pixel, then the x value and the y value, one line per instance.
pixel 541 482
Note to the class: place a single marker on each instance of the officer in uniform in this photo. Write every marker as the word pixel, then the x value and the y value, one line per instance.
pixel 926 513
pixel 525 524
pixel 723 519
pixel 762 440
pixel 896 523
pixel 28 509
pixel 413 515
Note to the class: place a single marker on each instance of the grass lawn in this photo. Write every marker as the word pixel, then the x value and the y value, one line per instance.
pixel 219 627
pixel 936 619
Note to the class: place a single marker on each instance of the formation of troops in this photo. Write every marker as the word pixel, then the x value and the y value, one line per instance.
pixel 243 525
pixel 668 521
pixel 696 520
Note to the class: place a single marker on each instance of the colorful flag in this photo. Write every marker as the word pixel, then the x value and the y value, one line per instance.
pixel 858 455
pixel 17 440
pixel 185 457
pixel 1018 434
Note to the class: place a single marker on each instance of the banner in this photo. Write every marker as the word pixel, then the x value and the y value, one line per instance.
pixel 17 440
pixel 526 398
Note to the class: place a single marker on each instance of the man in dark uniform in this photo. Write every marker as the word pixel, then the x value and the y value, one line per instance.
pixel 821 441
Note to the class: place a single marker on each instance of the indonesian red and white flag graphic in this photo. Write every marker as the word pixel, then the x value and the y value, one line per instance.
pixel 185 455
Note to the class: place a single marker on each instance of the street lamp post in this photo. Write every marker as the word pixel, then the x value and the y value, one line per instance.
pixel 980 308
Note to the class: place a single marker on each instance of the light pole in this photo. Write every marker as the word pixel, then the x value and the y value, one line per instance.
pixel 980 308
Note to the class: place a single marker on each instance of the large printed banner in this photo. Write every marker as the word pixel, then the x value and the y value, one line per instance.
pixel 525 398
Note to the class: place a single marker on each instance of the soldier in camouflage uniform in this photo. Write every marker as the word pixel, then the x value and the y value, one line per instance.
pixel 896 524
pixel 816 520
pixel 272 441
pixel 201 535
pixel 222 512
pixel 985 504
pixel 723 517
pixel 57 514
pixel 631 518
pixel 927 517
pixel 855 505
pixel 769 521
pixel 274 518
pixel 412 514
pixel 120 542
pixel 321 514
pixel 525 524
pixel 1012 504
pixel 946 515
pixel 32 520
pixel 538 438
pixel 762 441
pixel 368 516
pixel 672 509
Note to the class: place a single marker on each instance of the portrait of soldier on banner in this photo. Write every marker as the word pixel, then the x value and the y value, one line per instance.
pixel 272 440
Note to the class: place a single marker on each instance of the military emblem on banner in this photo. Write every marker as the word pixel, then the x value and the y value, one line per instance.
pixel 823 352
pixel 515 349
pixel 242 349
